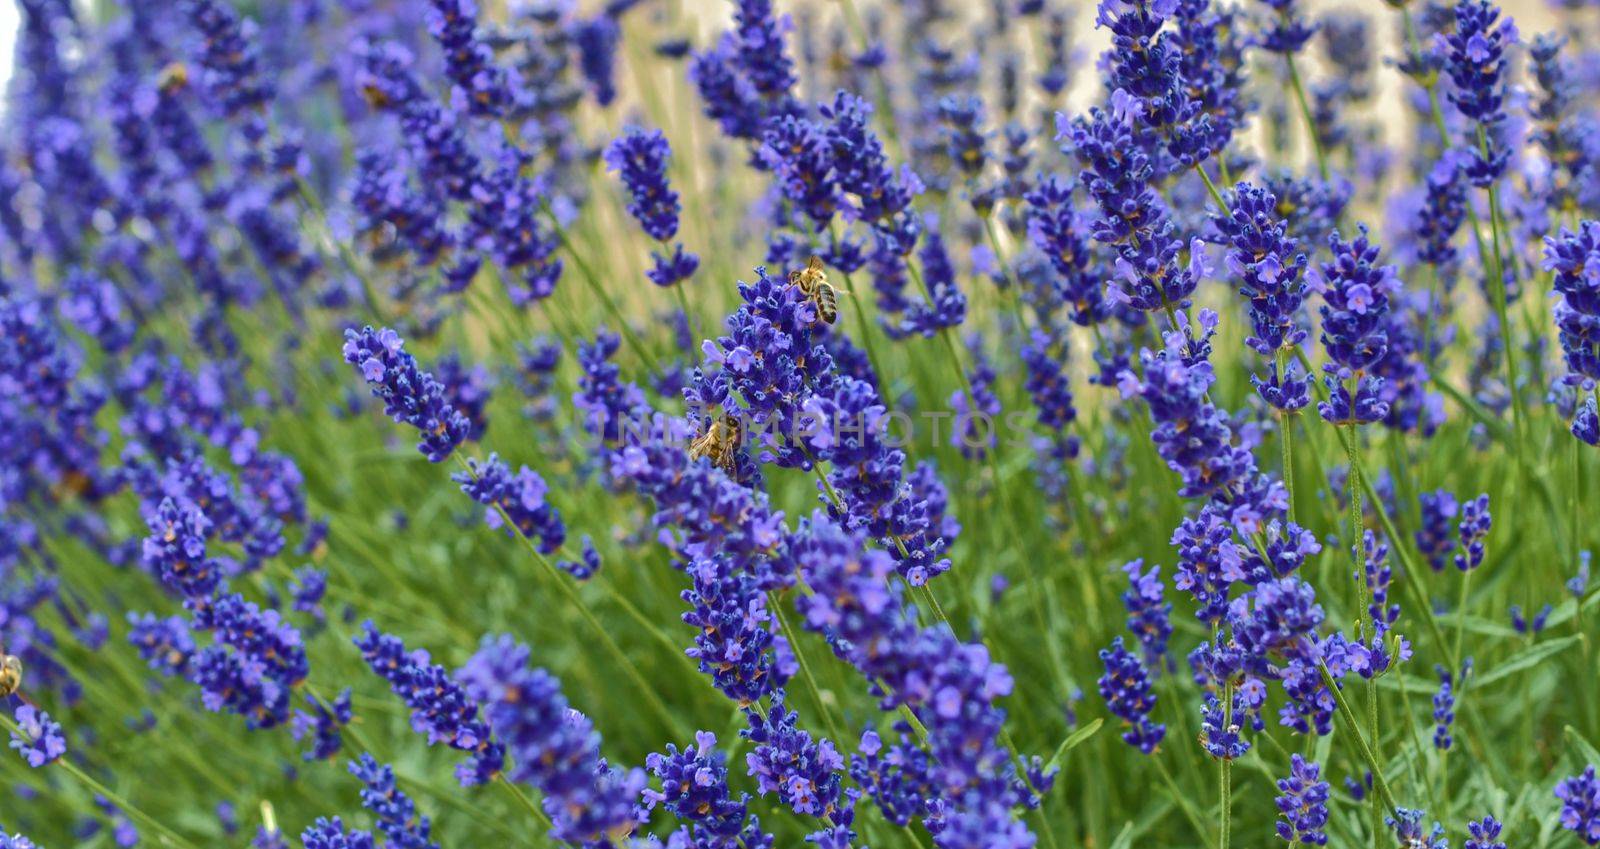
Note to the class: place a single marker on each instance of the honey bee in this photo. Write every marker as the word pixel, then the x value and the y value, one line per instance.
pixel 10 675
pixel 813 283
pixel 720 444
pixel 173 77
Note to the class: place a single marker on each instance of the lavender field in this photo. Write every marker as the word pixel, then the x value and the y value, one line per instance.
pixel 761 424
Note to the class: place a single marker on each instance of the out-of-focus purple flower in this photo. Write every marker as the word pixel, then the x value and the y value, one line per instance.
pixel 1474 529
pixel 597 39
pixel 1474 57
pixel 322 726
pixel 1436 535
pixel 551 746
pixel 468 61
pixel 164 644
pixel 440 707
pixel 40 739
pixel 396 814
pixel 330 834
pixel 1574 259
pixel 1580 805
pixel 518 499
pixel 1444 709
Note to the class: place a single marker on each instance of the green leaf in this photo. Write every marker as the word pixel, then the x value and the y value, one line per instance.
pixel 1124 837
pixel 1585 749
pixel 1530 656
pixel 1074 740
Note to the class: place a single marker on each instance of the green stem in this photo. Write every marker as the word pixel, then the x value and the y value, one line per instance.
pixel 1305 113
pixel 561 580
pixel 66 765
pixel 587 273
pixel 1367 754
pixel 1182 799
pixel 776 604
pixel 1225 772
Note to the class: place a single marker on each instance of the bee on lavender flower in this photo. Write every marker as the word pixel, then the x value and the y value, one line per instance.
pixel 10 675
pixel 173 77
pixel 720 444
pixel 813 283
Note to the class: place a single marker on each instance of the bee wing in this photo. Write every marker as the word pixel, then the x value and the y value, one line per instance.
pixel 814 263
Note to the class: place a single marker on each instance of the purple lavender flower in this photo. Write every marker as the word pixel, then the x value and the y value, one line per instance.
pixel 1269 266
pixel 1522 625
pixel 1474 57
pixel 1580 805
pixel 1056 229
pixel 1149 615
pixel 410 395
pixel 597 39
pixel 468 60
pixel 254 665
pixel 1125 686
pixel 694 787
pixel 440 707
pixel 1574 258
pixel 736 644
pixel 164 644
pixel 1287 32
pixel 175 550
pixel 607 403
pixel 230 56
pixel 1193 437
pixel 962 118
pixel 878 195
pixel 1303 801
pixel 1474 529
pixel 1407 825
pixel 800 154
pixel 551 746
pixel 1484 834
pixel 1435 536
pixel 1444 709
pixel 1578 584
pixel 308 587
pixel 1379 576
pixel 515 499
pixel 1047 381
pixel 330 834
pixel 394 811
pixel 1118 173
pixel 467 389
pixel 974 427
pixel 804 773
pixel 1355 294
pixel 323 726
pixel 640 157
pixel 39 738
pixel 946 306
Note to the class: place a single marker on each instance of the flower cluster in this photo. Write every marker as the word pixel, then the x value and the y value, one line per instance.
pixel 410 395
pixel 440 707
pixel 1574 258
pixel 1356 296
pixel 514 501
pixel 640 158
pixel 551 746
